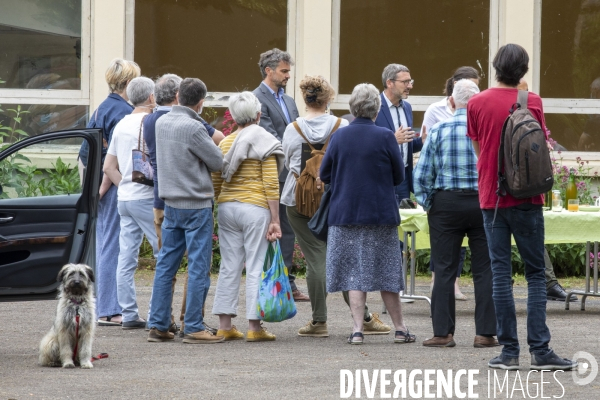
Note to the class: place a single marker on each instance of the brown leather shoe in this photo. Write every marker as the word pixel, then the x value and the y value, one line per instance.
pixel 440 341
pixel 299 296
pixel 485 341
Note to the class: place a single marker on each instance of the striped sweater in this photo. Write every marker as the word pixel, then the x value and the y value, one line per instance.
pixel 254 182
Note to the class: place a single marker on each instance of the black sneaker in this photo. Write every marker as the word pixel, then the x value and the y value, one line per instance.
pixel 552 362
pixel 557 293
pixel 503 362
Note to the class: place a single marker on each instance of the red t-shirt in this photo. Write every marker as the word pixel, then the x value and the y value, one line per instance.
pixel 486 113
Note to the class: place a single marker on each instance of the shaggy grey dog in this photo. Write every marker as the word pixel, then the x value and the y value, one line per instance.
pixel 70 342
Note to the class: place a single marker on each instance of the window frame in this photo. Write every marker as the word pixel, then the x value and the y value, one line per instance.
pixel 61 97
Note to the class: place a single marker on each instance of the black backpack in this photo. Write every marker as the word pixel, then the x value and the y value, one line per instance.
pixel 524 165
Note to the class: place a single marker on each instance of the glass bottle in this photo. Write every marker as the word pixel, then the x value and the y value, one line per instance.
pixel 548 200
pixel 571 193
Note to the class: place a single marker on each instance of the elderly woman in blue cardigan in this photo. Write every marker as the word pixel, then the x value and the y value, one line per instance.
pixel 362 165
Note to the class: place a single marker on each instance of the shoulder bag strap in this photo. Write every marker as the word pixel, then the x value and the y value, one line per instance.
pixel 302 134
pixel 335 128
pixel 142 142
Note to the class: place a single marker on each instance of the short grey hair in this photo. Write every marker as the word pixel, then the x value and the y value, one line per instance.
pixel 272 58
pixel 139 89
pixel 463 91
pixel 365 101
pixel 166 88
pixel 244 108
pixel 391 71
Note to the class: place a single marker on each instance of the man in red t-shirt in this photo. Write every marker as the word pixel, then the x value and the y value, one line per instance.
pixel 522 218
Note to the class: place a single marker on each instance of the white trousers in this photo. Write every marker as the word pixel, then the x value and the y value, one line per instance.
pixel 242 236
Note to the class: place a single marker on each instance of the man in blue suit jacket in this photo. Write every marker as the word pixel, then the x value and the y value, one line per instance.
pixel 396 115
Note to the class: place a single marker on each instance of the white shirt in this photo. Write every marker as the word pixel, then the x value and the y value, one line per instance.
pixel 436 112
pixel 125 139
pixel 403 123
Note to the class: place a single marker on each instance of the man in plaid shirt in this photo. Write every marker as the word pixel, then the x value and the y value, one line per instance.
pixel 445 182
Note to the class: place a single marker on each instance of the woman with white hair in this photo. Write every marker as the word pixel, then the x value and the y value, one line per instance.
pixel 247 192
pixel 363 165
pixel 135 200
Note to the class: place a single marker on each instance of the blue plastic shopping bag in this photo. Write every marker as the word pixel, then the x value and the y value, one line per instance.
pixel 275 300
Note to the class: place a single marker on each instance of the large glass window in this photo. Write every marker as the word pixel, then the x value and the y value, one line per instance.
pixel 41 44
pixel 218 41
pixel 432 38
pixel 570 50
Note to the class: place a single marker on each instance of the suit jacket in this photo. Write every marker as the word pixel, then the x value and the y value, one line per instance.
pixel 384 119
pixel 272 117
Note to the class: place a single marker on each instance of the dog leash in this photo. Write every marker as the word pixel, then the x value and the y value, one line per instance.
pixel 94 358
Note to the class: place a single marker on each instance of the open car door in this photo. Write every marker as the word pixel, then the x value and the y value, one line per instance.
pixel 48 210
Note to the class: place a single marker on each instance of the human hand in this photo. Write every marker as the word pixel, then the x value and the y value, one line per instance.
pixel 404 135
pixel 274 232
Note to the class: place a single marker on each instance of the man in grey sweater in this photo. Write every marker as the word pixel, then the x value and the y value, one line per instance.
pixel 186 155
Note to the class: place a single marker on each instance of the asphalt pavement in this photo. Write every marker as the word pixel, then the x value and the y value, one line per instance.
pixel 296 367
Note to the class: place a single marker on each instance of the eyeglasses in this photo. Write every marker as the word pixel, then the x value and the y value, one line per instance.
pixel 406 82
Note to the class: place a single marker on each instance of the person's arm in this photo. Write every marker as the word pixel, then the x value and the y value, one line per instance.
pixel 104 185
pixel 292 149
pixel 424 173
pixel 217 181
pixel 111 170
pixel 217 136
pixel 207 151
pixel 327 163
pixel 266 122
pixel 476 147
pixel 274 231
pixel 398 169
pixel 270 179
pixel 424 134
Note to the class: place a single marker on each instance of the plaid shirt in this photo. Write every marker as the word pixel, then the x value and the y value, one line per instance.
pixel 447 161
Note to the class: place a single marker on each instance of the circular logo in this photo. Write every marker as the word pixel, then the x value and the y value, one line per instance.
pixel 587 364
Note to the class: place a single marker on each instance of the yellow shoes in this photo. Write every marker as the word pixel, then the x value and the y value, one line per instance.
pixel 259 336
pixel 231 334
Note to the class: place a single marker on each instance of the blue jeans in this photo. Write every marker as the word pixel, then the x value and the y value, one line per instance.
pixel 526 223
pixel 181 229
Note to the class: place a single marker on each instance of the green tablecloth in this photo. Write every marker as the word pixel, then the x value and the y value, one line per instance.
pixel 561 227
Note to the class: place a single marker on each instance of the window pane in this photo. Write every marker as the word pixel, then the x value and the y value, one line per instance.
pixel 575 132
pixel 432 38
pixel 570 55
pixel 218 41
pixel 41 44
pixel 43 169
pixel 20 121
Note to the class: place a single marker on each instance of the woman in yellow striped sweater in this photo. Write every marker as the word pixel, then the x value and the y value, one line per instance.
pixel 247 192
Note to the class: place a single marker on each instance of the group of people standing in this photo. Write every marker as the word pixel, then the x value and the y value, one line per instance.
pixel 251 176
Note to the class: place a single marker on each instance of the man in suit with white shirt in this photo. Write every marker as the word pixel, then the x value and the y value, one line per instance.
pixel 396 115
pixel 277 111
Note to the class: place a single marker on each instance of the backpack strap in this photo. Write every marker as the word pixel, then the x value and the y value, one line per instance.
pixel 522 98
pixel 302 134
pixel 335 128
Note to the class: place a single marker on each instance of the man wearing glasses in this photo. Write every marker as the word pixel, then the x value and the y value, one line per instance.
pixel 396 115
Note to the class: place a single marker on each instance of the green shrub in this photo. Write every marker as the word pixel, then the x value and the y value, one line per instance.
pixel 567 259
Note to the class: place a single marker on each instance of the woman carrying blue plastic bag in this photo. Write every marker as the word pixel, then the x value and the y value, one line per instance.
pixel 247 193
